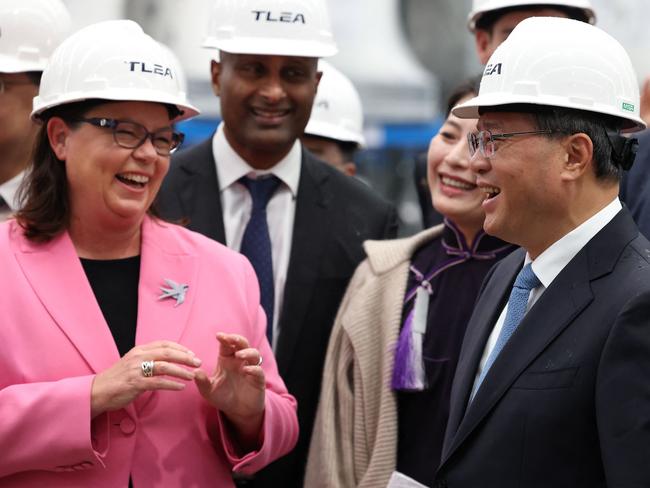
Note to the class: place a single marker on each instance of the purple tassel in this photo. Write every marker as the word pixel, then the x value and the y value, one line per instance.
pixel 408 372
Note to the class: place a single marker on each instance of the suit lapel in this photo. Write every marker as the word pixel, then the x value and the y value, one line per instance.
pixel 492 300
pixel 163 258
pixel 567 296
pixel 58 279
pixel 309 229
pixel 200 196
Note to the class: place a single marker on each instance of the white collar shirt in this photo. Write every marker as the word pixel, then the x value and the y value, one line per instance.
pixel 551 262
pixel 237 203
pixel 9 193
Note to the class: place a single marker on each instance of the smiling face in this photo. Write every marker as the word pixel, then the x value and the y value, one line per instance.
pixel 110 186
pixel 525 200
pixel 266 102
pixel 452 184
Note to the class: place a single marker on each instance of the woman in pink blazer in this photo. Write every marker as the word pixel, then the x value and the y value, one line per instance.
pixel 132 351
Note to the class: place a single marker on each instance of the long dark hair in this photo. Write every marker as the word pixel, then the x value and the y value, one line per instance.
pixel 44 192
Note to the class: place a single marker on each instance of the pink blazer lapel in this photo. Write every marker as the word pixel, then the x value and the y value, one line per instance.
pixel 164 258
pixel 58 279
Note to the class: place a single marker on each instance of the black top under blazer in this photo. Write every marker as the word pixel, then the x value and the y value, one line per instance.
pixel 567 402
pixel 334 215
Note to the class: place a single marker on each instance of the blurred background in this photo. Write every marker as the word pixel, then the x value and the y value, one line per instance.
pixel 404 56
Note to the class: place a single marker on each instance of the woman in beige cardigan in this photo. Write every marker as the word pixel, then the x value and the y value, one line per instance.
pixel 397 335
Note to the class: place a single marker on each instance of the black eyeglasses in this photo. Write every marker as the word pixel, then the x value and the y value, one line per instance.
pixel 483 141
pixel 132 135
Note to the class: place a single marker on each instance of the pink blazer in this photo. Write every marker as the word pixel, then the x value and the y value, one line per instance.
pixel 54 339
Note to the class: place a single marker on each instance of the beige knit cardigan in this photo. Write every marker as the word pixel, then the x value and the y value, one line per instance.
pixel 354 443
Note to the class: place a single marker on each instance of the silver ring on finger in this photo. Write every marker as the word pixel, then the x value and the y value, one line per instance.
pixel 147 368
pixel 259 363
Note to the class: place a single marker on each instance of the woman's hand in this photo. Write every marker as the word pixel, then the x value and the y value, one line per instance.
pixel 123 382
pixel 237 387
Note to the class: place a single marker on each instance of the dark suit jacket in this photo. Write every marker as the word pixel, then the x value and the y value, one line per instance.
pixel 635 184
pixel 567 402
pixel 334 215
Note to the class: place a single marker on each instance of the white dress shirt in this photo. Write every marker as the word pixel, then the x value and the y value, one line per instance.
pixel 237 203
pixel 9 193
pixel 551 262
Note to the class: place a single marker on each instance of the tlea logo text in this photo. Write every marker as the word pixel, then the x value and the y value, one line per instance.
pixel 156 69
pixel 492 69
pixel 287 17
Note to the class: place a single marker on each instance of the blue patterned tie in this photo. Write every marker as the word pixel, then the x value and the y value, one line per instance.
pixel 517 303
pixel 256 243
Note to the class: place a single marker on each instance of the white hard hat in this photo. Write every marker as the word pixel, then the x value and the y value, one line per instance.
pixel 29 32
pixel 337 112
pixel 480 7
pixel 112 60
pixel 273 27
pixel 559 62
pixel 177 68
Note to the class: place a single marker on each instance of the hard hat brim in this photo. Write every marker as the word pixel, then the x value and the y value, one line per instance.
pixel 330 131
pixel 470 109
pixel 272 47
pixel 188 110
pixel 474 15
pixel 12 65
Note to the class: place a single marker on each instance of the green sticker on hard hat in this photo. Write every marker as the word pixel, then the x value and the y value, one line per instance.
pixel 628 106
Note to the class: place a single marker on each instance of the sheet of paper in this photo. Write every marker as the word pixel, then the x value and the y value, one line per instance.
pixel 399 480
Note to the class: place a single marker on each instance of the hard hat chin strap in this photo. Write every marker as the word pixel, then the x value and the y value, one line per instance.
pixel 623 150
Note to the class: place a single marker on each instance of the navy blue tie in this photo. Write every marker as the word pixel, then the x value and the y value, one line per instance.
pixel 517 304
pixel 256 243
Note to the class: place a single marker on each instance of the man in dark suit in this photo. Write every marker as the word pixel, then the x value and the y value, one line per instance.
pixel 315 219
pixel 552 388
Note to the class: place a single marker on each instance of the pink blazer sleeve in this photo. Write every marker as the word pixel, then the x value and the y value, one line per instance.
pixel 46 426
pixel 44 410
